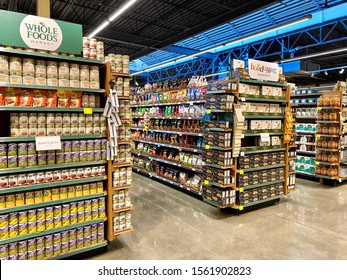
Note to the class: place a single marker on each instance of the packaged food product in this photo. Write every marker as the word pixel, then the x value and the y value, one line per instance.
pixel 52 99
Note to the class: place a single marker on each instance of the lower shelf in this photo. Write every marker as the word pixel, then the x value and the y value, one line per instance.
pixel 78 251
pixel 47 232
pixel 241 207
pixel 166 180
pixel 123 231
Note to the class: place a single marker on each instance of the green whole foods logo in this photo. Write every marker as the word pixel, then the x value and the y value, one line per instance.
pixel 41 33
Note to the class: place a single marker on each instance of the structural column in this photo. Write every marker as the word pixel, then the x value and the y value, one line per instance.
pixel 43 8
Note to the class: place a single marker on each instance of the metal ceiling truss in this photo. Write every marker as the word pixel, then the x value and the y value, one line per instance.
pixel 289 45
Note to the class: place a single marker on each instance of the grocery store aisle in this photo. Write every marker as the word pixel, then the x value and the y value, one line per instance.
pixel 309 224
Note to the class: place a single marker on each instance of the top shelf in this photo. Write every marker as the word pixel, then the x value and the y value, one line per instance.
pixel 262 83
pixel 49 56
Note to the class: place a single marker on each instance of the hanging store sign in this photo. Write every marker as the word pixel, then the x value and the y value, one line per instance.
pixel 27 31
pixel 261 70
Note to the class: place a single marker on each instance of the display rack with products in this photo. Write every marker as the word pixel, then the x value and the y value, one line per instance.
pixel 305 111
pixel 330 143
pixel 261 166
pixel 167 134
pixel 118 90
pixel 52 201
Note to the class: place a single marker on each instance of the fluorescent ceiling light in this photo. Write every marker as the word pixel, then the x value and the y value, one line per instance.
pixel 122 10
pixel 116 14
pixel 314 55
pixel 215 74
pixel 274 28
pixel 325 73
pixel 342 70
pixel 97 30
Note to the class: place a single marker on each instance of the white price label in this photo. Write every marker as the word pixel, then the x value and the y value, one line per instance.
pixel 46 143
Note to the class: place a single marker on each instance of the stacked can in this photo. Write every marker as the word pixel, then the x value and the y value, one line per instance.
pixel 92 45
pixel 16 76
pixel 86 47
pixel 74 75
pixel 94 77
pixel 126 85
pixel 40 72
pixel 4 74
pixel 63 74
pixel 52 73
pixel 28 71
pixel 100 51
pixel 122 221
pixel 125 64
pixel 84 76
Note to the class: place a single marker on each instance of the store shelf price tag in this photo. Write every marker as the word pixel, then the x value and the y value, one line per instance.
pixel 207 147
pixel 318 135
pixel 88 111
pixel 241 190
pixel 242 172
pixel 180 133
pixel 208 112
pixel 240 207
pixel 191 103
pixel 206 182
pixel 242 154
pixel 317 162
pixel 319 108
pixel 243 99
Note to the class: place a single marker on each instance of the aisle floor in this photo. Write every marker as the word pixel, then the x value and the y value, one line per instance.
pixel 311 223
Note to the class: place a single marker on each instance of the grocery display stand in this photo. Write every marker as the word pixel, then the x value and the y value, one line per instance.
pixel 173 133
pixel 113 211
pixel 260 172
pixel 304 102
pixel 330 144
pixel 44 219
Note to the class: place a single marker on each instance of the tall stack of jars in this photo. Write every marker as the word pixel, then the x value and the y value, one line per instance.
pixel 93 49
pixel 119 63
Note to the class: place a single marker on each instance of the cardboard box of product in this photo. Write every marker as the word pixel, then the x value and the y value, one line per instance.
pixel 254 90
pixel 276 124
pixel 255 125
pixel 243 88
pixel 277 91
pixel 266 91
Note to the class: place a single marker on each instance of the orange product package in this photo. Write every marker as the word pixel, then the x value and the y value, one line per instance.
pixel 64 98
pixel 2 96
pixel 12 96
pixel 76 99
pixel 40 98
pixel 26 98
pixel 51 99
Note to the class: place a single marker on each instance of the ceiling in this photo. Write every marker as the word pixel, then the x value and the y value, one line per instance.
pixel 148 25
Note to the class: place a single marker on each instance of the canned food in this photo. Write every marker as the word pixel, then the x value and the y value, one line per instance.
pixel 40 79
pixel 65 219
pixel 101 237
pixel 92 43
pixel 86 43
pixel 48 240
pixel 72 244
pixel 80 217
pixel 28 65
pixel 4 234
pixel 57 223
pixel 63 69
pixel 63 82
pixel 74 70
pixel 86 189
pixel 40 254
pixel 40 67
pixel 16 77
pixel 28 79
pixel 100 46
pixel 5 77
pixel 79 243
pixel 40 242
pixel 57 249
pixel 49 212
pixel 94 84
pixel 87 241
pixel 84 84
pixel 55 194
pixel 4 62
pixel 38 196
pixel 52 69
pixel 47 195
pixel 86 52
pixel 57 211
pixel 54 82
pixel 49 251
pixel 31 227
pixel 63 192
pixel 93 53
pixel 15 64
pixel 73 218
pixel 22 256
pixel 72 234
pixel 19 199
pixel 31 255
pixel 79 232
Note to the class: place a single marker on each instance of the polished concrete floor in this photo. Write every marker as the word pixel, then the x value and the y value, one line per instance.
pixel 311 223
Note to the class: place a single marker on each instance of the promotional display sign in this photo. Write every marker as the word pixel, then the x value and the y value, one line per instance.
pixel 261 70
pixel 27 31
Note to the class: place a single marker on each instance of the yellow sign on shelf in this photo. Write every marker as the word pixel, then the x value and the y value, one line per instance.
pixel 317 162
pixel 319 108
pixel 240 207
pixel 241 190
pixel 88 111
pixel 318 135
pixel 207 147
pixel 206 182
pixel 242 172
pixel 208 112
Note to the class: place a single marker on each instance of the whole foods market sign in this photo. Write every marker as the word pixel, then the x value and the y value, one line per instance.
pixel 261 70
pixel 34 32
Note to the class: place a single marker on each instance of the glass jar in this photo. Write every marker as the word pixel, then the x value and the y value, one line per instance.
pixel 333 130
pixel 325 157
pixel 326 116
pixel 324 144
pixel 320 102
pixel 333 116
pixel 320 115
pixel 319 157
pixel 323 171
pixel 326 102
pixel 319 143
pixel 325 130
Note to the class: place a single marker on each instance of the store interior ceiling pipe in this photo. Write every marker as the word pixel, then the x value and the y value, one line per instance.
pixel 115 15
pixel 325 70
pixel 226 44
